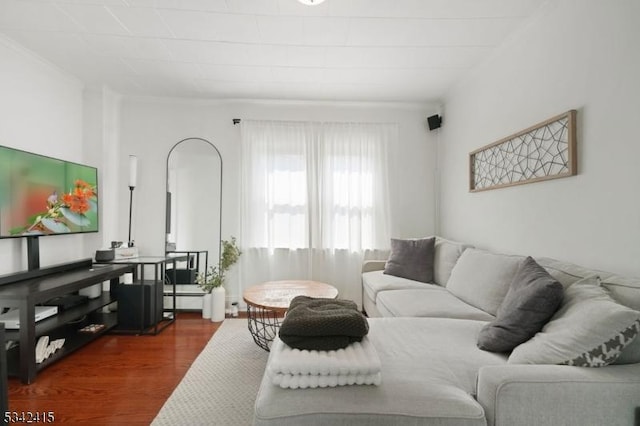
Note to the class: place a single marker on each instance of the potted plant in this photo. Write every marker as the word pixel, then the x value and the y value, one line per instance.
pixel 212 282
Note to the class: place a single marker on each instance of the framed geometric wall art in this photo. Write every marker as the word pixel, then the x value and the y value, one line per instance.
pixel 544 151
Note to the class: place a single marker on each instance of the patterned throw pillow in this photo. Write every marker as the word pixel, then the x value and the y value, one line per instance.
pixel 609 351
pixel 589 330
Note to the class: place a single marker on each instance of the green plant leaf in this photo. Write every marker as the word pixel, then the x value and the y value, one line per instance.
pixel 18 230
pixel 34 218
pixel 214 277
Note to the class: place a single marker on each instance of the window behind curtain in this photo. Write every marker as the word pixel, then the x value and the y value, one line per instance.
pixel 287 207
pixel 354 200
pixel 314 201
pixel 315 185
pixel 349 211
pixel 275 173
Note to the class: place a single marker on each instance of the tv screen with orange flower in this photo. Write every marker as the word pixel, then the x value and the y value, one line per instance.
pixel 41 195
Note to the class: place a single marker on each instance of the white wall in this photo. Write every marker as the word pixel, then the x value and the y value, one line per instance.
pixel 150 127
pixel 101 125
pixel 575 54
pixel 41 112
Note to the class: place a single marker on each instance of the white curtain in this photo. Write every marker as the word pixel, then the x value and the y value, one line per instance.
pixel 314 201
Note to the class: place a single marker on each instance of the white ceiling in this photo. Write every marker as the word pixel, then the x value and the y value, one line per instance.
pixel 358 50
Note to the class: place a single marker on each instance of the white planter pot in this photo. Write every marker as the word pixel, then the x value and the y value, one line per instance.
pixel 206 305
pixel 92 292
pixel 218 302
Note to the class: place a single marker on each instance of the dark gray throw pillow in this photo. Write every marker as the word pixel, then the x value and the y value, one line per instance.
pixel 412 259
pixel 533 297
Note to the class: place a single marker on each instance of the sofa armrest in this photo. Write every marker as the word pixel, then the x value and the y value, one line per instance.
pixel 554 394
pixel 373 265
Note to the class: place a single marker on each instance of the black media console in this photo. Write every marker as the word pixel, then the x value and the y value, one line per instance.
pixel 28 289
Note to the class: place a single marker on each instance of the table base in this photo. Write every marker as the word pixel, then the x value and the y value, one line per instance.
pixel 263 325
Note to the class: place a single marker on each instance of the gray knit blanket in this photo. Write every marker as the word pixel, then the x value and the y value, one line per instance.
pixel 322 324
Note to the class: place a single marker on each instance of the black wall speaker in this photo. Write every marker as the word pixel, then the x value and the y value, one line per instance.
pixel 435 121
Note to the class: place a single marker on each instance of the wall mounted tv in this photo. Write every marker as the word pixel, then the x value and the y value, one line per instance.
pixel 41 195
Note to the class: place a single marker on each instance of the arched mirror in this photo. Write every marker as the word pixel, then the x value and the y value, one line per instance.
pixel 193 213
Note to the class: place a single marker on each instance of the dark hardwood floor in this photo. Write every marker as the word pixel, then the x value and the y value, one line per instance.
pixel 116 380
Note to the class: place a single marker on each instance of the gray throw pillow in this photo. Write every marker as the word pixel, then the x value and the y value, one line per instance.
pixel 533 297
pixel 411 259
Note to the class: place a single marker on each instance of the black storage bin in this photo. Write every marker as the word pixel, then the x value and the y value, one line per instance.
pixel 183 276
pixel 129 305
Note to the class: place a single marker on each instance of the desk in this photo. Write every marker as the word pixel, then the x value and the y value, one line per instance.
pixel 189 295
pixel 268 302
pixel 141 304
pixel 188 274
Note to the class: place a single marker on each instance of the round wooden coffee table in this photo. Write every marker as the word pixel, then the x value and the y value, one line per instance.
pixel 268 302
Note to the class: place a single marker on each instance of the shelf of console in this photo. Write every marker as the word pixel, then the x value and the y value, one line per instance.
pixel 62 318
pixel 74 339
pixel 27 290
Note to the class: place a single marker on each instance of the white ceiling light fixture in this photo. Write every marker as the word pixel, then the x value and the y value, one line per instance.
pixel 311 2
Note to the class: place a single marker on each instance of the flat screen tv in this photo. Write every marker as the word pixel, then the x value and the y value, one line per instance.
pixel 41 195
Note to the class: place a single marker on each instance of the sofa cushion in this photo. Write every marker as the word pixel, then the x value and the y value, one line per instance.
pixel 589 330
pixel 369 307
pixel 425 303
pixel 411 393
pixel 376 281
pixel 445 257
pixel 568 273
pixel 625 290
pixel 482 278
pixel 533 297
pixel 412 259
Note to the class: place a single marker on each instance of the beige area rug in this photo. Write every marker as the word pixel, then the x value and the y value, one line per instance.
pixel 220 387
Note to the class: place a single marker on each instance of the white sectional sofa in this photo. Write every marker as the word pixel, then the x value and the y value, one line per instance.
pixel 386 295
pixel 434 373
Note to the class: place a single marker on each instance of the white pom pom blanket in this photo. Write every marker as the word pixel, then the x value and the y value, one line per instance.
pixel 357 364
